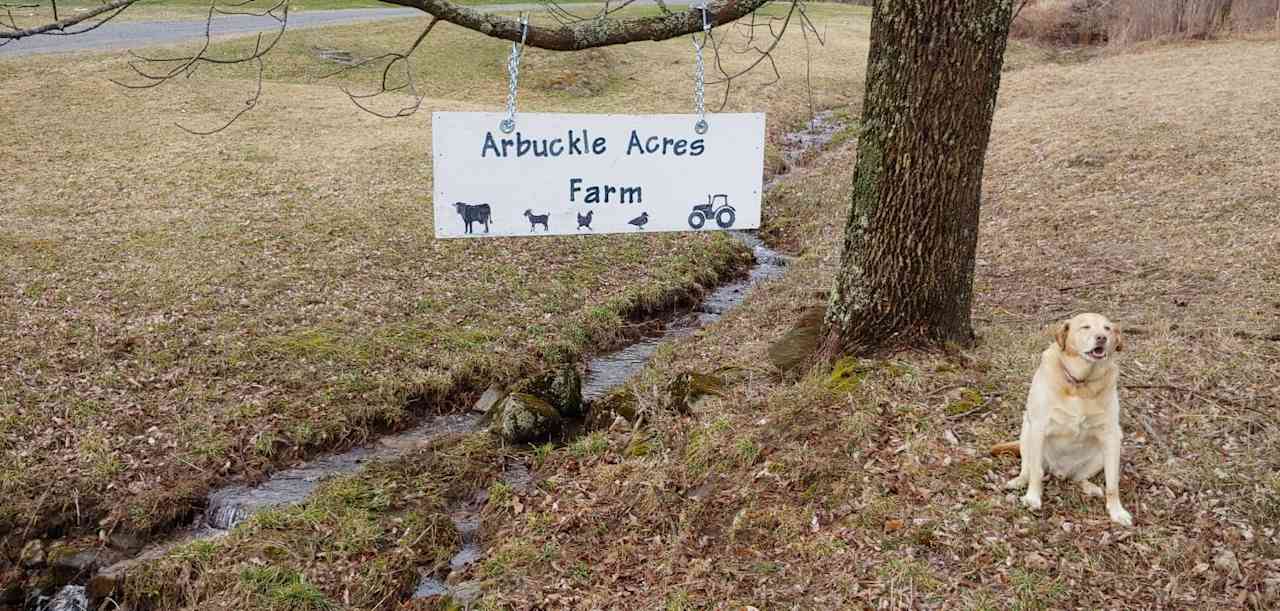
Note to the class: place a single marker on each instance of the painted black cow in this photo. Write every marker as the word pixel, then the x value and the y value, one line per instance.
pixel 473 214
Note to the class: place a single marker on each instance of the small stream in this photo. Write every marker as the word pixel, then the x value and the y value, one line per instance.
pixel 232 505
pixel 605 373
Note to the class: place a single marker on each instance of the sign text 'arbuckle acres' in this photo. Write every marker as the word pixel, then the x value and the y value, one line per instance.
pixel 577 142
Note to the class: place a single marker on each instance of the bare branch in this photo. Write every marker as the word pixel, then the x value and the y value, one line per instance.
pixel 186 65
pixel 93 27
pixel 60 25
pixel 766 53
pixel 405 59
pixel 1021 5
pixel 587 34
pixel 573 32
pixel 248 105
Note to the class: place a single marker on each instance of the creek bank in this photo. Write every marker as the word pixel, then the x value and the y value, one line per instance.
pixel 562 402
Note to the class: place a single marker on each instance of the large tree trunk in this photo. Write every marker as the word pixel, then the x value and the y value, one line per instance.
pixel 906 273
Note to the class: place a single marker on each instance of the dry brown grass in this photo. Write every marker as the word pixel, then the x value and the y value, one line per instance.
pixel 1141 186
pixel 182 311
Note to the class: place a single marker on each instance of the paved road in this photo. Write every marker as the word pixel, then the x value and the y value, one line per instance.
pixel 137 34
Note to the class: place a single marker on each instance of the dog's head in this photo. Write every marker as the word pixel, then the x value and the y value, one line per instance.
pixel 1090 336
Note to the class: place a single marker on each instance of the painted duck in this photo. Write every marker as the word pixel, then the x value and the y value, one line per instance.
pixel 640 221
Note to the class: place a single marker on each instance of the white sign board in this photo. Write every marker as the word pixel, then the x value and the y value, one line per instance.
pixel 571 174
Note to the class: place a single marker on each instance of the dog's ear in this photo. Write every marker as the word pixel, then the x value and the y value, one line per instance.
pixel 1119 339
pixel 1060 334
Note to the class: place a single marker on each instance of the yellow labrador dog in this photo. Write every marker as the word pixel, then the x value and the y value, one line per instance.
pixel 1072 423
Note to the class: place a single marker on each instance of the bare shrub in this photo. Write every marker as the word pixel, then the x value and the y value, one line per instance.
pixel 1123 22
pixel 1062 22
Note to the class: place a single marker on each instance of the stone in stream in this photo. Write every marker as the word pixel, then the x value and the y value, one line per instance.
pixel 69 565
pixel 108 581
pixel 619 403
pixel 489 400
pixel 524 418
pixel 561 387
pixel 126 542
pixel 32 555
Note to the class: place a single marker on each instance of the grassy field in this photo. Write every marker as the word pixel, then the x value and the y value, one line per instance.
pixel 181 311
pixel 1140 185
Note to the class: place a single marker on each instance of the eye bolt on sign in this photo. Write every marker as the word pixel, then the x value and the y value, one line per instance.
pixel 571 174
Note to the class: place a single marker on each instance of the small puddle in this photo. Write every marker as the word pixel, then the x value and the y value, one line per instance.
pixel 230 506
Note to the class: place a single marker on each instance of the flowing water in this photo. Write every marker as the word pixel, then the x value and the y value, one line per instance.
pixel 821 129
pixel 69 598
pixel 611 370
pixel 604 374
pixel 232 505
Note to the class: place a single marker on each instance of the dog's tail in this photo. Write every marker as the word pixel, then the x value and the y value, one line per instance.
pixel 1012 448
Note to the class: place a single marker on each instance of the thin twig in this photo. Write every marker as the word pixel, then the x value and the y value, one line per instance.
pixel 407 61
pixel 249 104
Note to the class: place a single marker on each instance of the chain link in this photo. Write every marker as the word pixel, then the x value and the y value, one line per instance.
pixel 699 75
pixel 508 124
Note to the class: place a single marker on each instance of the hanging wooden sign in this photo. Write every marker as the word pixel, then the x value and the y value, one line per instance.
pixel 572 174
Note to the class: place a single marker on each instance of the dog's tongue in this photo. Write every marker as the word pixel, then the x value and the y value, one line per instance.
pixel 1098 352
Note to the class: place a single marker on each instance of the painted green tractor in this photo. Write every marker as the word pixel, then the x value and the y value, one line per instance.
pixel 718 208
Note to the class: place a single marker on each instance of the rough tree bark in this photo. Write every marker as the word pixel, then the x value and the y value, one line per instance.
pixel 906 274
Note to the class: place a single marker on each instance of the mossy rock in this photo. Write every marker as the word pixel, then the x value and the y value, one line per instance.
pixel 32 554
pixel 798 345
pixel 561 387
pixel 688 387
pixel 603 411
pixel 524 418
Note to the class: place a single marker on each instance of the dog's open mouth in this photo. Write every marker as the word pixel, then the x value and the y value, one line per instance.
pixel 1099 352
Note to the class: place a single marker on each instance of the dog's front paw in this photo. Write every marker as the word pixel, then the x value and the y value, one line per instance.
pixel 1017 482
pixel 1031 501
pixel 1120 516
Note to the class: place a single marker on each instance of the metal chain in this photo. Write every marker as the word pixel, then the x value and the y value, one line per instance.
pixel 508 124
pixel 699 74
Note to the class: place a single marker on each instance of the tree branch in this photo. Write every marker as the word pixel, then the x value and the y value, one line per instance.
pixel 406 59
pixel 587 34
pixel 58 26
